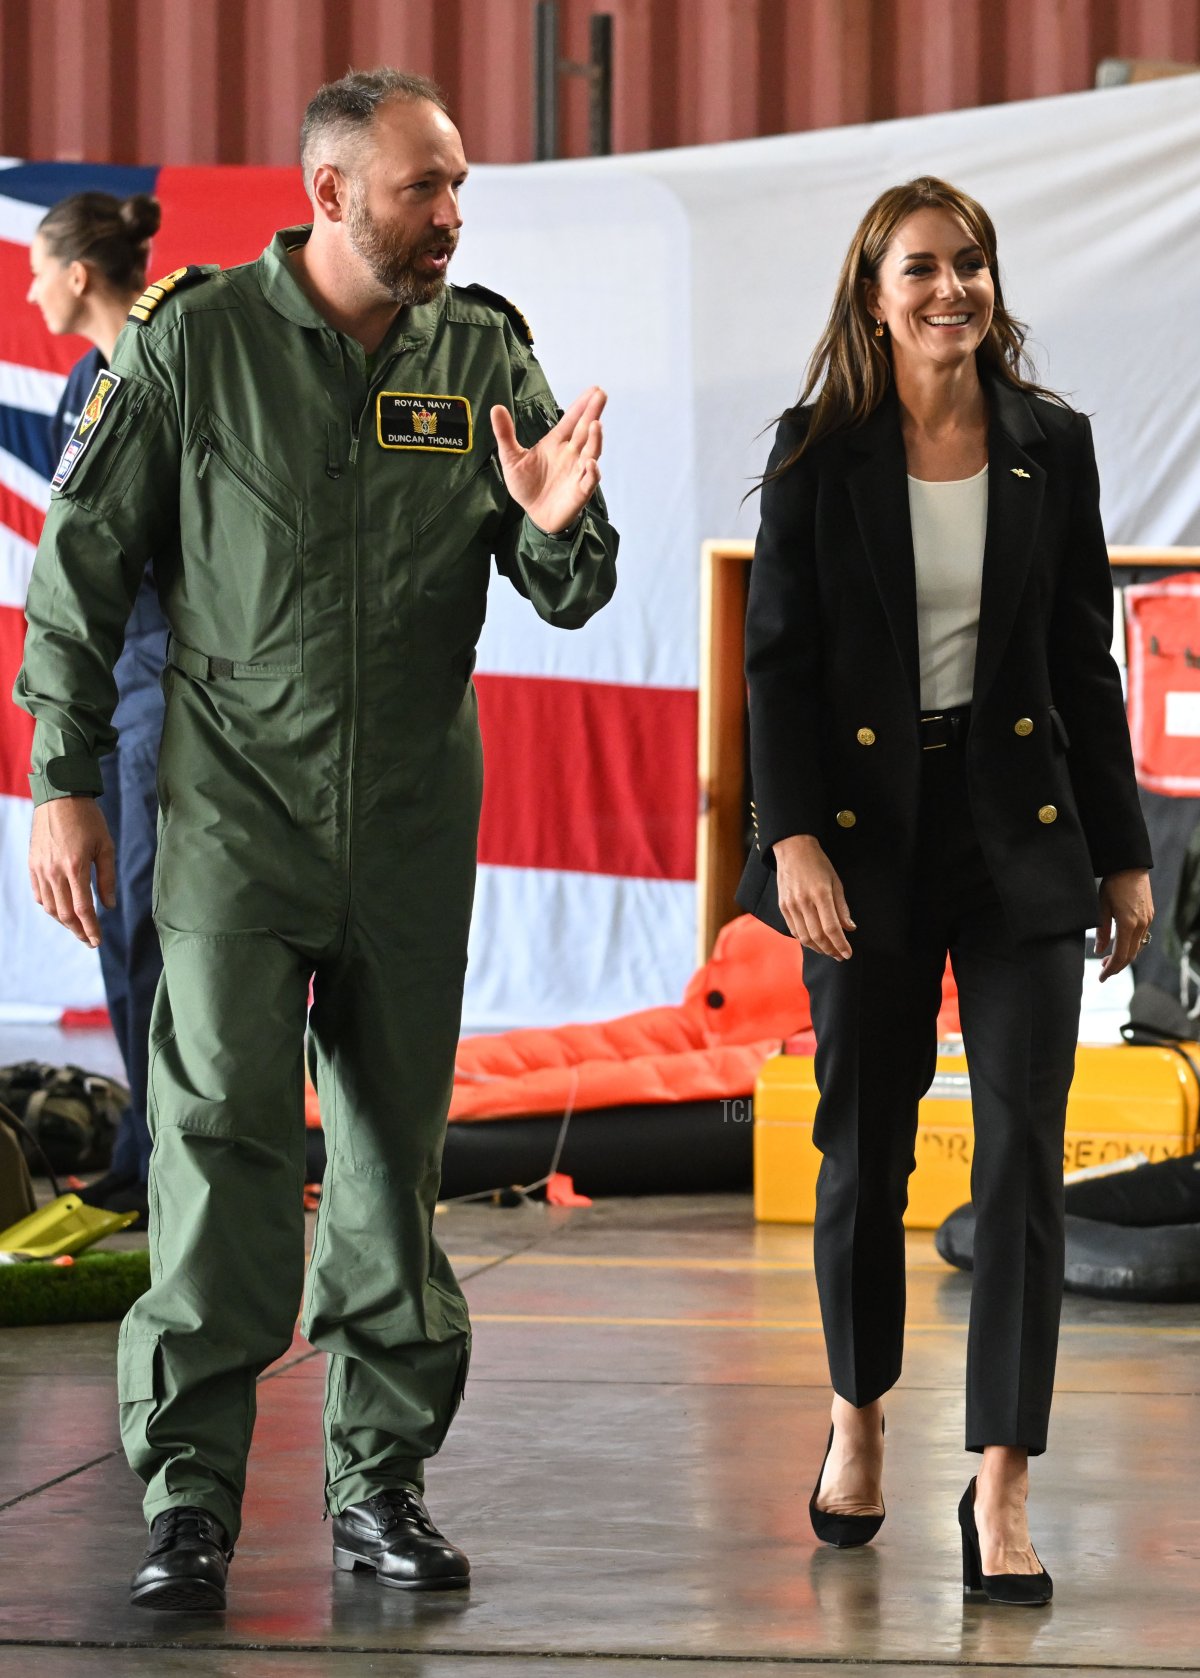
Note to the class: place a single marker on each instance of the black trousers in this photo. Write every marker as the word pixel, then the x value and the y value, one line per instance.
pixel 875 1018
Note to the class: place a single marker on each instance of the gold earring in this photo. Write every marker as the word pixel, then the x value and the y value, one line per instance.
pixel 879 329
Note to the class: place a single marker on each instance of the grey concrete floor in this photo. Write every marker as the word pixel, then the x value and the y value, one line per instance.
pixel 630 1475
pixel 92 1047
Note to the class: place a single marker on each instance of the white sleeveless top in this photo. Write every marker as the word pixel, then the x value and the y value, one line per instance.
pixel 949 525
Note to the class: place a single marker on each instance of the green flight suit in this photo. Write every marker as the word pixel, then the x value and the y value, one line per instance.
pixel 322 536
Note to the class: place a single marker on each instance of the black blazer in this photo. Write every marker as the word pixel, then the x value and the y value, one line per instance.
pixel 834 686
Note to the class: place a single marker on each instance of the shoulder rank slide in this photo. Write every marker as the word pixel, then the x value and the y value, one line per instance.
pixel 175 281
pixel 505 307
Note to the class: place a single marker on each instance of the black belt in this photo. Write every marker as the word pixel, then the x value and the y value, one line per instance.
pixel 944 728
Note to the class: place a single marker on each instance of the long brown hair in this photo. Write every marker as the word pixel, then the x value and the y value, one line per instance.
pixel 112 234
pixel 852 368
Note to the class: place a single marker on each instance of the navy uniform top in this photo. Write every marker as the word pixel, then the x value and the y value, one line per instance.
pixel 139 669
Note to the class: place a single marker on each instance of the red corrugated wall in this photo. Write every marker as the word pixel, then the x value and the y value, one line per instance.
pixel 225 81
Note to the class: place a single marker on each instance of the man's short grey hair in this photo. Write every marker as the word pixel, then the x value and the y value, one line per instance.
pixel 342 112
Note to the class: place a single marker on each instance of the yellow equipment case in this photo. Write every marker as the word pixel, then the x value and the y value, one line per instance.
pixel 1125 1100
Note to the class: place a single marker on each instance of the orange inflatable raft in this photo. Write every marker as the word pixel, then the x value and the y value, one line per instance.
pixel 736 1010
pixel 659 1099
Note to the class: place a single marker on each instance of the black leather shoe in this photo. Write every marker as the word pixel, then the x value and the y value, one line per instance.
pixel 186 1563
pixel 392 1533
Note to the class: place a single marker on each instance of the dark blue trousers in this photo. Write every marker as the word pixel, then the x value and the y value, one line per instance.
pixel 130 958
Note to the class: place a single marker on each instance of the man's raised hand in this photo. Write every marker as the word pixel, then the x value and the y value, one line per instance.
pixel 554 480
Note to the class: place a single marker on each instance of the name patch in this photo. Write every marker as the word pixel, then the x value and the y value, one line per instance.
pixel 87 425
pixel 406 419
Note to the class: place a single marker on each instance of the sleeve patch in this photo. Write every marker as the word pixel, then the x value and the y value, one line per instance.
pixel 177 280
pixel 86 426
pixel 523 329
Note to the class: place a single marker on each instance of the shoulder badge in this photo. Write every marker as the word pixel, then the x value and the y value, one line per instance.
pixel 100 399
pixel 175 281
pixel 506 308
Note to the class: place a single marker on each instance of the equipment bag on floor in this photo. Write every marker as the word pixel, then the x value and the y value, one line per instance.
pixel 16 1185
pixel 71 1114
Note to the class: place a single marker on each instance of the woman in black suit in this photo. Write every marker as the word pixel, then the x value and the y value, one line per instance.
pixel 941 763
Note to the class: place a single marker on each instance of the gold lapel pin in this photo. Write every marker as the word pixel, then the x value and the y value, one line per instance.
pixel 1019 472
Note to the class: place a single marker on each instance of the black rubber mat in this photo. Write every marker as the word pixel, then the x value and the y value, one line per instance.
pixel 686 1147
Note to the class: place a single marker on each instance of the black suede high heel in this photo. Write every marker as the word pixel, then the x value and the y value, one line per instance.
pixel 1017 1590
pixel 844 1532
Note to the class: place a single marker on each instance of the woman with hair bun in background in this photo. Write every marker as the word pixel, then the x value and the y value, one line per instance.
pixel 89 258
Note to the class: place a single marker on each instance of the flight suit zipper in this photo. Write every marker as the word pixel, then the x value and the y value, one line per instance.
pixel 356 424
pixel 355 675
pixel 116 456
pixel 354 671
pixel 209 449
pixel 139 402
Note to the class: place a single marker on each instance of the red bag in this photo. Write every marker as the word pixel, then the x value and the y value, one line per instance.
pixel 1162 638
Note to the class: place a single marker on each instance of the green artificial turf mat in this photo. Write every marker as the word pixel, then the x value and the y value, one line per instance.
pixel 97 1288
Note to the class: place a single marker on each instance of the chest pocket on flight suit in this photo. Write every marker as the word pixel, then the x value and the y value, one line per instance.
pixel 452 549
pixel 242 594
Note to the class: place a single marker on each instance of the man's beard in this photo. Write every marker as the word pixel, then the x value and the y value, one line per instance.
pixel 393 259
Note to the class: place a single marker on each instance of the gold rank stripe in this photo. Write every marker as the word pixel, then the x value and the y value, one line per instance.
pixel 155 293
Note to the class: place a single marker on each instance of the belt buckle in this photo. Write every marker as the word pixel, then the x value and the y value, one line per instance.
pixel 938 745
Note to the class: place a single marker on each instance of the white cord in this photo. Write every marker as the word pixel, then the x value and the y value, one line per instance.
pixel 525 1190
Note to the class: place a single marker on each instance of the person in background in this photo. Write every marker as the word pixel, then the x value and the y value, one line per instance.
pixel 89 258
pixel 941 763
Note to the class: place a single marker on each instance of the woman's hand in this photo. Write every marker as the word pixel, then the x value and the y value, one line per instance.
pixel 811 898
pixel 1125 901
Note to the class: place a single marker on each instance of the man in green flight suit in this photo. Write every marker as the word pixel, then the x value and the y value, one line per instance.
pixel 319 451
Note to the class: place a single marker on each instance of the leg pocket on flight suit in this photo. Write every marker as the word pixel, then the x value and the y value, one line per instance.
pixel 222 1070
pixel 136 1368
pixel 455 1321
pixel 139 1390
pixel 160 1036
pixel 460 1388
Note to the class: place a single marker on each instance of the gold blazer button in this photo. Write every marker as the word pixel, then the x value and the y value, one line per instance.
pixel 866 736
pixel 846 818
pixel 1023 726
pixel 1047 814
